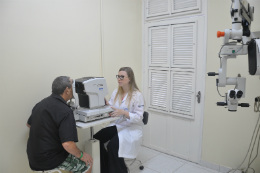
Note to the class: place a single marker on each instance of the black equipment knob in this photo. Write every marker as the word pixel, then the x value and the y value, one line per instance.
pixel 232 11
pixel 244 104
pixel 221 103
pixel 212 73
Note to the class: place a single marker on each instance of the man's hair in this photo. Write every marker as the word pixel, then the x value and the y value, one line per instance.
pixel 60 84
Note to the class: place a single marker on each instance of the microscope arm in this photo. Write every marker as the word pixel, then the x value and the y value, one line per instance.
pixel 239 82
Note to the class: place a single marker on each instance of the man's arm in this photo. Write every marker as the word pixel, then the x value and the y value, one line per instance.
pixel 71 148
pixel 29 121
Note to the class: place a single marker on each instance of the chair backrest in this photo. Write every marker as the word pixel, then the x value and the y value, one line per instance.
pixel 145 117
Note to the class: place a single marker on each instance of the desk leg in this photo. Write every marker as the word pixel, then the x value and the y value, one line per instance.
pixel 92 148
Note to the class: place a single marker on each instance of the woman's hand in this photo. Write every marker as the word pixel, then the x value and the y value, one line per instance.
pixel 117 112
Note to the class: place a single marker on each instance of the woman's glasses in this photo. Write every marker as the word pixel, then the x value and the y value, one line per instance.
pixel 120 77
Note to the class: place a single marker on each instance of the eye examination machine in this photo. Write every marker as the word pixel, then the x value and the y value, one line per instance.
pixel 89 99
pixel 244 42
pixel 89 108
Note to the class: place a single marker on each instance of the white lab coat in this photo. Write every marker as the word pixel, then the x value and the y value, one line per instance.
pixel 130 131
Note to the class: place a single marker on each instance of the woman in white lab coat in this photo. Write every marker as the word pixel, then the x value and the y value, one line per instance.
pixel 125 134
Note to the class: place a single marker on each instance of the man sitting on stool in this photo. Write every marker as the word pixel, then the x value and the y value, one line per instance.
pixel 51 144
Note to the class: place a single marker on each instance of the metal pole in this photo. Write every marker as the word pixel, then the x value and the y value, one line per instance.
pixel 91 133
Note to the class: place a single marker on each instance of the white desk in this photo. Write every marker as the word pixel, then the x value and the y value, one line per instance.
pixel 92 145
pixel 83 125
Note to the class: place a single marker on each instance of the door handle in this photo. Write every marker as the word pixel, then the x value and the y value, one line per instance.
pixel 198 97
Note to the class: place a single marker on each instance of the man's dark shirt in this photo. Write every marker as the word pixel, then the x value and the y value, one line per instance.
pixel 52 123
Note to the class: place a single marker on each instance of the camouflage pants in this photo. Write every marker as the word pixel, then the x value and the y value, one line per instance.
pixel 74 164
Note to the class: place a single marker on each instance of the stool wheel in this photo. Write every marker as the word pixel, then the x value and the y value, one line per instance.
pixel 141 167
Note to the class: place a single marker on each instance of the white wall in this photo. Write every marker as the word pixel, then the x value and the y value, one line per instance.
pixel 122 22
pixel 43 39
pixel 226 135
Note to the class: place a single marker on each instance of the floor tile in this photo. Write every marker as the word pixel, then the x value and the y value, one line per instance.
pixel 157 162
pixel 152 150
pixel 146 154
pixel 209 165
pixel 202 167
pixel 163 164
pixel 187 168
pixel 173 157
pixel 145 170
pixel 131 165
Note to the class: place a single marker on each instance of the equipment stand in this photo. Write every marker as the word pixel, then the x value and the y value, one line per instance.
pixel 92 148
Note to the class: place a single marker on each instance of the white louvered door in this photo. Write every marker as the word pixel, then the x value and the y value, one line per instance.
pixel 184 5
pixel 176 44
pixel 158 90
pixel 183 93
pixel 184 37
pixel 183 58
pixel 174 74
pixel 159 46
pixel 157 7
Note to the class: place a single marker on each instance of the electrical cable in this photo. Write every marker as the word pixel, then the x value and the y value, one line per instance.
pixel 248 148
pixel 228 54
pixel 257 105
pixel 219 93
pixel 220 56
pixel 249 163
pixel 252 169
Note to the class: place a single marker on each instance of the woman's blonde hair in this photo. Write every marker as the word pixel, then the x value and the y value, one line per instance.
pixel 132 87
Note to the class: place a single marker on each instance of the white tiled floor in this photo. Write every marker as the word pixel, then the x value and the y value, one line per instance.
pixel 156 162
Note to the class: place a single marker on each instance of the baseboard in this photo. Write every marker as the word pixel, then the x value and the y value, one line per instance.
pixel 216 167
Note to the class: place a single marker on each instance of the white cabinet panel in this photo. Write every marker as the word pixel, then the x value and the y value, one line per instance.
pixel 159 46
pixel 185 5
pixel 158 131
pixel 184 41
pixel 183 87
pixel 179 136
pixel 157 7
pixel 158 90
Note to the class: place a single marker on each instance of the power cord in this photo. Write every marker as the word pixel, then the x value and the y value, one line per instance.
pixel 257 104
pixel 249 163
pixel 248 149
pixel 249 168
pixel 219 93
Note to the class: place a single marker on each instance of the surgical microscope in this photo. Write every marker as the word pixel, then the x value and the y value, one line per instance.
pixel 242 15
pixel 89 99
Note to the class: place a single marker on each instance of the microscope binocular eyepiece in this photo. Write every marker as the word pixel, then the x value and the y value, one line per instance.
pixel 235 94
pixel 232 94
pixel 239 94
